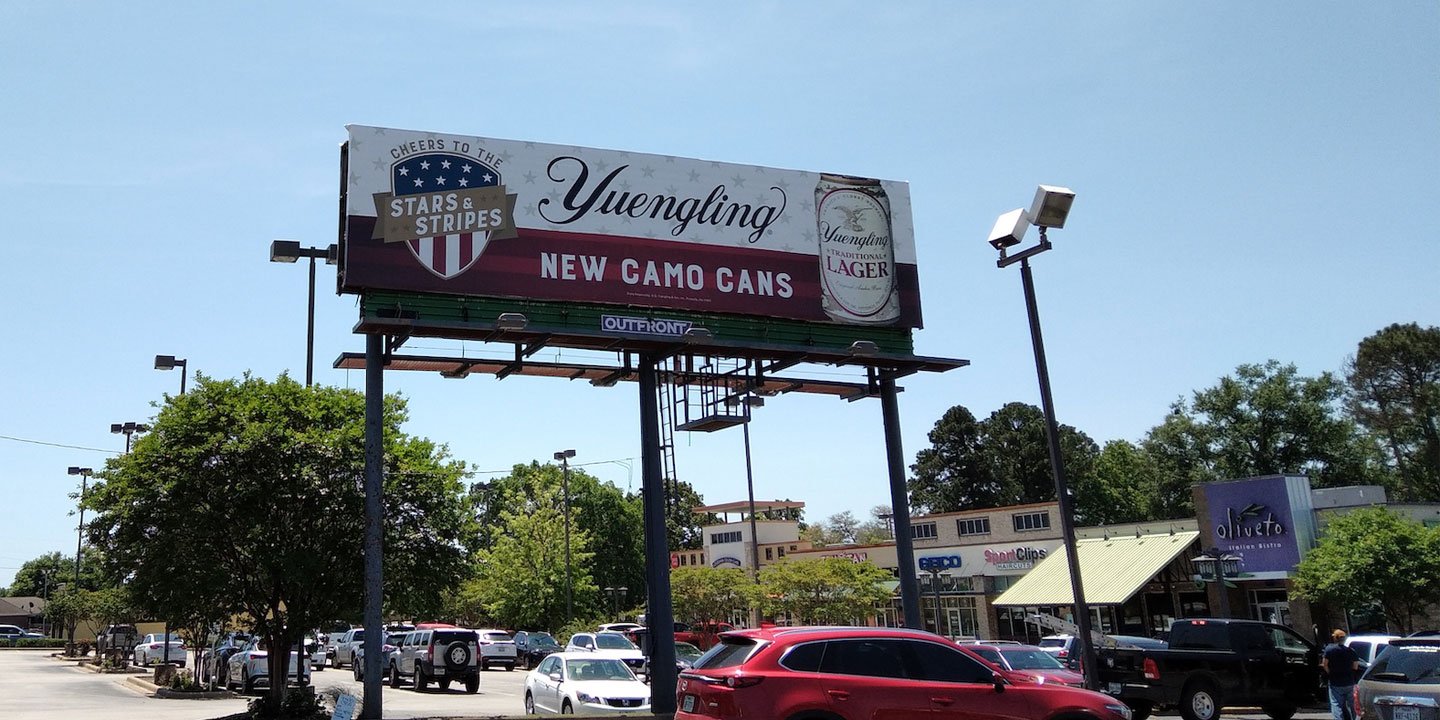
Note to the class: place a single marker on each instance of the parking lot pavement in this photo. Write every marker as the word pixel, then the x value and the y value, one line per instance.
pixel 34 686
pixel 502 693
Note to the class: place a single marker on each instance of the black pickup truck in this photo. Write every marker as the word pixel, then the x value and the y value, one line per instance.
pixel 1214 663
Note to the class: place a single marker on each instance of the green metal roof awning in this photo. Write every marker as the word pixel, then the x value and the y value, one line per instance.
pixel 1112 569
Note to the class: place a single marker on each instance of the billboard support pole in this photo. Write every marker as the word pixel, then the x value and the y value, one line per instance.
pixel 900 504
pixel 660 617
pixel 374 531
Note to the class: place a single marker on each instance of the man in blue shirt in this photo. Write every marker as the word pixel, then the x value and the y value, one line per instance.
pixel 1342 669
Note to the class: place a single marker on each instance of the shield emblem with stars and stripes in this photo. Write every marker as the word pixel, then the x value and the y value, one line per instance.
pixel 444 255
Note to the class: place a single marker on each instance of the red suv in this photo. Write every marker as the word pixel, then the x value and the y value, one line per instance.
pixel 850 673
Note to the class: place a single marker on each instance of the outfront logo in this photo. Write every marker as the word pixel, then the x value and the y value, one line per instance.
pixel 446 207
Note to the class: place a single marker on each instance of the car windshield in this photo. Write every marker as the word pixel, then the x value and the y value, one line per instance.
pixel 542 640
pixel 686 651
pixel 1031 660
pixel 394 638
pixel 498 637
pixel 1409 664
pixel 1052 642
pixel 599 669
pixel 360 635
pixel 611 641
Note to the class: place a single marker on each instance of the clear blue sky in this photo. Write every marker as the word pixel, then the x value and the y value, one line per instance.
pixel 1255 181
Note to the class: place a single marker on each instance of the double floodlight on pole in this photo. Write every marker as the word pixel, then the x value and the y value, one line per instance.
pixel 289 251
pixel 1049 209
pixel 170 362
pixel 564 457
pixel 1217 566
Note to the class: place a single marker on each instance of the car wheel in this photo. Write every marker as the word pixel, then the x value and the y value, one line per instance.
pixel 484 664
pixel 1279 712
pixel 472 684
pixel 1140 710
pixel 359 674
pixel 511 667
pixel 565 708
pixel 394 676
pixel 529 703
pixel 444 684
pixel 419 681
pixel 1200 701
pixel 247 685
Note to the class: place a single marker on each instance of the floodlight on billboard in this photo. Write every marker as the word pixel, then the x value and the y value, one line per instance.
pixel 464 215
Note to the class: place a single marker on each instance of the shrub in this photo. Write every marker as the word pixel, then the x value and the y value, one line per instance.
pixel 185 681
pixel 34 643
pixel 299 704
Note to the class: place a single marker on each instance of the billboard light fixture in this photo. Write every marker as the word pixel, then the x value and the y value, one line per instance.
pixel 512 321
pixel 698 334
pixel 864 348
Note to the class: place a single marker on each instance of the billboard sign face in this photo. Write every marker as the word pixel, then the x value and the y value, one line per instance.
pixel 465 215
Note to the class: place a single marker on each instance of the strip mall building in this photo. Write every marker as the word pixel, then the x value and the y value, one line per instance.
pixel 989 570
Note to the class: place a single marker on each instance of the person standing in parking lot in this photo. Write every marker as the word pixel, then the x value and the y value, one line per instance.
pixel 1342 671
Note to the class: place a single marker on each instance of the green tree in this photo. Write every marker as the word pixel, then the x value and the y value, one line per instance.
pixel 1179 447
pixel 828 591
pixel 67 607
pixel 683 527
pixel 520 582
pixel 1120 488
pixel 247 498
pixel 1268 419
pixel 1394 392
pixel 1002 460
pixel 40 576
pixel 702 595
pixel 1375 557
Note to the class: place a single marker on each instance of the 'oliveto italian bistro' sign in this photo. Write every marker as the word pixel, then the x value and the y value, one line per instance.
pixel 466 215
pixel 1256 518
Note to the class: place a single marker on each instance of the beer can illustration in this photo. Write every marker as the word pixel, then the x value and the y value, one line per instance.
pixel 857 251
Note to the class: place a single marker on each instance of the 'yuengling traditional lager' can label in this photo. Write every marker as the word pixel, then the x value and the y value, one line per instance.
pixel 857 250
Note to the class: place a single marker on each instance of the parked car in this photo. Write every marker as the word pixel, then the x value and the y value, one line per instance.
pixel 867 672
pixel 620 627
pixel 497 648
pixel 686 655
pixel 121 636
pixel 151 650
pixel 608 644
pixel 387 648
pixel 346 645
pixel 1369 647
pixel 1027 664
pixel 532 646
pixel 315 650
pixel 214 660
pixel 1214 663
pixel 1403 683
pixel 584 684
pixel 441 654
pixel 15 632
pixel 1058 645
pixel 249 667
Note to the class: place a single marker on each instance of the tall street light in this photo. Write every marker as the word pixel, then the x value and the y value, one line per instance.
pixel 288 251
pixel 170 362
pixel 564 457
pixel 128 428
pixel 84 473
pixel 1049 209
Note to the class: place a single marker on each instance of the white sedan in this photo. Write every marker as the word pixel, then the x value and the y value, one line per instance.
pixel 583 684
pixel 151 650
pixel 250 667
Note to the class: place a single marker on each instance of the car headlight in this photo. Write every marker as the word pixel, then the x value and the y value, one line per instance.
pixel 585 697
pixel 1120 709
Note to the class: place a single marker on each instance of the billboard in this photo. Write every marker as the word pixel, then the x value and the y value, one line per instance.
pixel 472 216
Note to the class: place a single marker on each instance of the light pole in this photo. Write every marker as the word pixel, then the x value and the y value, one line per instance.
pixel 84 473
pixel 750 401
pixel 288 251
pixel 1049 209
pixel 1217 566
pixel 128 428
pixel 615 594
pixel 935 588
pixel 564 457
pixel 170 362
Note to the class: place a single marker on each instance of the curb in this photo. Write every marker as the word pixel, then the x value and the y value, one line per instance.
pixel 140 683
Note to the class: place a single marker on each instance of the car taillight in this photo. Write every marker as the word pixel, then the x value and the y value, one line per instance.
pixel 1152 671
pixel 154 645
pixel 1064 652
pixel 430 650
pixel 742 681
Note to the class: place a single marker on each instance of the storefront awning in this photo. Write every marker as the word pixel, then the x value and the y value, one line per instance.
pixel 1113 569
